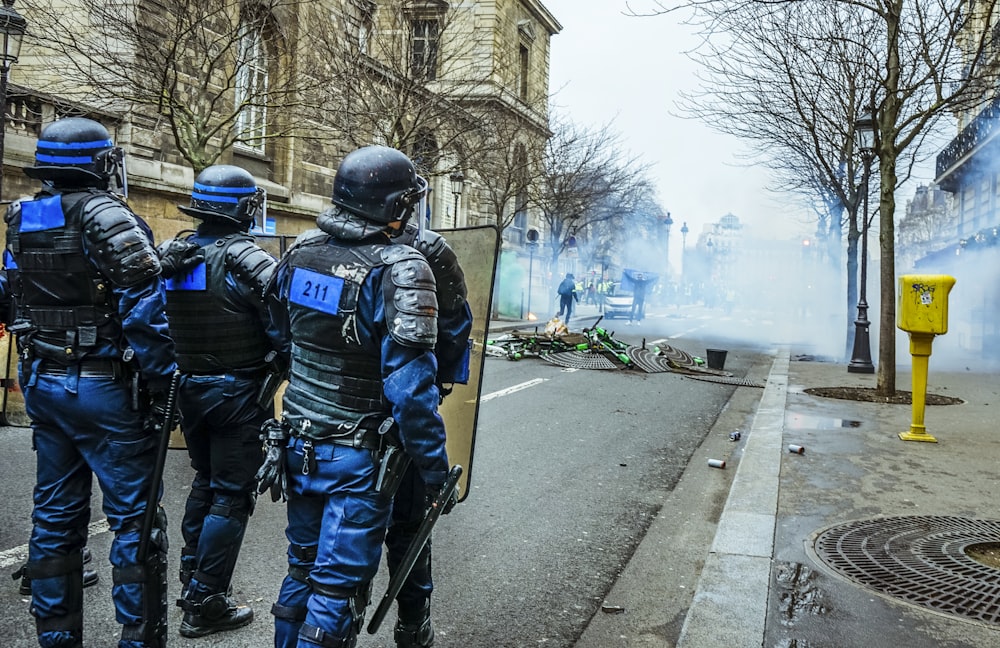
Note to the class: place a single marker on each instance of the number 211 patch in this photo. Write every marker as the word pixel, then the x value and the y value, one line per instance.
pixel 316 290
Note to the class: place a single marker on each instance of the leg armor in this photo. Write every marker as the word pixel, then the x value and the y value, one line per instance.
pixel 58 579
pixel 357 602
pixel 416 633
pixel 196 509
pixel 290 610
pixel 140 591
pixel 206 603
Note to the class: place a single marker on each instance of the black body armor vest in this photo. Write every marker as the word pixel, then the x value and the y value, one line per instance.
pixel 335 384
pixel 212 334
pixel 64 305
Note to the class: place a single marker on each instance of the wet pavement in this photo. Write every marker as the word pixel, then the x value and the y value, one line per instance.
pixel 859 539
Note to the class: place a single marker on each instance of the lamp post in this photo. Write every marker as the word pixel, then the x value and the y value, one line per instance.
pixel 532 236
pixel 457 186
pixel 12 28
pixel 861 357
pixel 667 222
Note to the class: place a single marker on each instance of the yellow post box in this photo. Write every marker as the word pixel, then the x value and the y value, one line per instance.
pixel 922 311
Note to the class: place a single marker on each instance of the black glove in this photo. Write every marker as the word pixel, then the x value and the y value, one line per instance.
pixel 432 494
pixel 156 416
pixel 177 256
pixel 272 472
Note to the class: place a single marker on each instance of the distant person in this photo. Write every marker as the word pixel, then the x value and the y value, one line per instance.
pixel 592 293
pixel 638 298
pixel 567 296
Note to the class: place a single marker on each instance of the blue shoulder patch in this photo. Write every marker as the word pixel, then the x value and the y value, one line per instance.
pixel 316 291
pixel 8 260
pixel 194 279
pixel 42 214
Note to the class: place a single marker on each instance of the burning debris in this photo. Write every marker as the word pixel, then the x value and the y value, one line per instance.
pixel 597 348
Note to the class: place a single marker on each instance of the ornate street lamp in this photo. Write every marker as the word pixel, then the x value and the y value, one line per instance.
pixel 12 29
pixel 457 186
pixel 861 357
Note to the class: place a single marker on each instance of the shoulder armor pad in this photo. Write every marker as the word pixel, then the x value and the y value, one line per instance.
pixel 251 265
pixel 310 237
pixel 448 274
pixel 122 250
pixel 410 298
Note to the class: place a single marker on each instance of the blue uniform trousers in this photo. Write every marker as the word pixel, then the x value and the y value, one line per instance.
pixel 83 427
pixel 221 424
pixel 336 526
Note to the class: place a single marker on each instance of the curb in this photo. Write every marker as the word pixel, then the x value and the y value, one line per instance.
pixel 729 607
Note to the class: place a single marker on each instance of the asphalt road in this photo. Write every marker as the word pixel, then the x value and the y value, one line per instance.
pixel 567 475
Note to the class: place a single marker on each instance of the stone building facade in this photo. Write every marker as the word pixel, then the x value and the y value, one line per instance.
pixel 494 61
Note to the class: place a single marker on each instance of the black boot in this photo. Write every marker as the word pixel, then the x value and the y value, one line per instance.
pixel 90 576
pixel 418 633
pixel 214 613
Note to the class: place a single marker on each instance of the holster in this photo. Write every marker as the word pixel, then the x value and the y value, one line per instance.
pixel 393 462
pixel 272 380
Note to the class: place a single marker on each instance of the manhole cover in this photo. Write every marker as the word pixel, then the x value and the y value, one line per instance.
pixel 919 559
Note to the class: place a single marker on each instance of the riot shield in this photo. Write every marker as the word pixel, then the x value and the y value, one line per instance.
pixel 477 249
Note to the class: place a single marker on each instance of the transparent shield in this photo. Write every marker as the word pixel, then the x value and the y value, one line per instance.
pixel 477 249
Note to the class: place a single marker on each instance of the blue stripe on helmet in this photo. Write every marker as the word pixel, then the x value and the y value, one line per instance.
pixel 64 159
pixel 98 144
pixel 213 198
pixel 225 190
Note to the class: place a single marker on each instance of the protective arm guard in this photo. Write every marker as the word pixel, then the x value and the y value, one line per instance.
pixel 410 297
pixel 120 248
pixel 251 265
pixel 451 289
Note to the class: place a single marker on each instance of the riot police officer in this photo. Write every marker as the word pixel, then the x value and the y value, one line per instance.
pixel 215 304
pixel 360 316
pixel 96 361
pixel 413 624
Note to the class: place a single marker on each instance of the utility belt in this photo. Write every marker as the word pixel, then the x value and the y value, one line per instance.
pixel 364 437
pixel 382 441
pixel 88 368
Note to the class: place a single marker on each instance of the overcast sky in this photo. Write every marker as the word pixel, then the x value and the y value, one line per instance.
pixel 609 67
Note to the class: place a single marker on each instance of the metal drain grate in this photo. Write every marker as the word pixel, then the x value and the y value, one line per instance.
pixel 725 380
pixel 581 360
pixel 919 559
pixel 648 360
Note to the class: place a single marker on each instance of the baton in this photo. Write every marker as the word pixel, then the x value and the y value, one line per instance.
pixel 416 546
pixel 153 500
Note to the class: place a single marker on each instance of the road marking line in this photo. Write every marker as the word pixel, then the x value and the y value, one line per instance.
pixel 19 555
pixel 509 390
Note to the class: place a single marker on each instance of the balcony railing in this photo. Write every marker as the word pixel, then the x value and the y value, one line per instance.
pixel 978 131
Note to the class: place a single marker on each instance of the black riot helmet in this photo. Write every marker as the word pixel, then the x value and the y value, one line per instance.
pixel 379 184
pixel 225 192
pixel 76 151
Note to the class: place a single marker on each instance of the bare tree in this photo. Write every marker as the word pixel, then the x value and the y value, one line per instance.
pixel 206 69
pixel 924 59
pixel 586 178
pixel 408 76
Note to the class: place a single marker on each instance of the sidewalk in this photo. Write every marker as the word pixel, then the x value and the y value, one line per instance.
pixel 858 541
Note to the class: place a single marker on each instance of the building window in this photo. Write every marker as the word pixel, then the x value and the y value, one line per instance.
pixel 424 40
pixel 522 72
pixel 251 89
